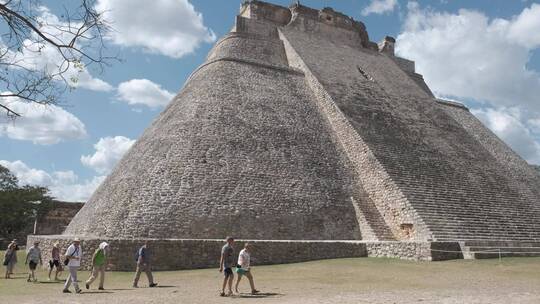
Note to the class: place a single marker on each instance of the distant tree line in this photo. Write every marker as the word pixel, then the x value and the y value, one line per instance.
pixel 20 205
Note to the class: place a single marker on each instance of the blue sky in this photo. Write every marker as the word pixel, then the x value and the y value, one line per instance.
pixel 483 53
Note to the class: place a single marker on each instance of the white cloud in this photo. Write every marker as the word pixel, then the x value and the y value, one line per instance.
pixel 467 55
pixel 41 124
pixel 380 7
pixel 109 150
pixel 77 192
pixel 168 27
pixel 535 125
pixel 41 57
pixel 26 175
pixel 63 185
pixel 143 91
pixel 525 28
pixel 506 123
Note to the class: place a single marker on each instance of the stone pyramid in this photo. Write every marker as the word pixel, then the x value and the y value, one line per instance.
pixel 298 127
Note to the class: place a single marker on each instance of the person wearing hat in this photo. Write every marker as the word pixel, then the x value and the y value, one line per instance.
pixel 55 261
pixel 10 259
pixel 15 249
pixel 99 264
pixel 73 256
pixel 33 257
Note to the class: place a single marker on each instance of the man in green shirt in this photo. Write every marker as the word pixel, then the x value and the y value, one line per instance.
pixel 99 264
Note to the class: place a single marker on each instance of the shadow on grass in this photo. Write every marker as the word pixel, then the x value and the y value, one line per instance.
pixel 257 295
pixel 51 282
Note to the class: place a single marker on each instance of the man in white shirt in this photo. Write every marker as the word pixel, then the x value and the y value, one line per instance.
pixel 243 267
pixel 74 255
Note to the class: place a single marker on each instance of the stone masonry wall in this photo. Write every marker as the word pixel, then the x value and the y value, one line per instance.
pixel 191 254
pixel 174 254
pixel 416 251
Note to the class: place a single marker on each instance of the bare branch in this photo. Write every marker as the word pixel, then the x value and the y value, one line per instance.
pixel 77 41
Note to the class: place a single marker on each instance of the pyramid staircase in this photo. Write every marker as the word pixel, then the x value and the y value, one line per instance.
pixel 475 249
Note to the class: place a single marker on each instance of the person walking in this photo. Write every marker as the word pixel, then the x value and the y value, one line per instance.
pixel 55 261
pixel 99 265
pixel 73 255
pixel 33 258
pixel 10 259
pixel 143 258
pixel 15 259
pixel 243 268
pixel 225 265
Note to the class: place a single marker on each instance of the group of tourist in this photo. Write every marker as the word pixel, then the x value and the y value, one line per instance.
pixel 74 255
pixel 33 259
pixel 227 263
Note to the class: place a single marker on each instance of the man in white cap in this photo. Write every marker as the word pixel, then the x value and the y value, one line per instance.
pixel 99 264
pixel 73 262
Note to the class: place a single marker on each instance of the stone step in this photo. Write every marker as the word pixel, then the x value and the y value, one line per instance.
pixel 503 249
pixel 482 228
pixel 465 211
pixel 485 255
pixel 500 243
pixel 498 230
pixel 460 238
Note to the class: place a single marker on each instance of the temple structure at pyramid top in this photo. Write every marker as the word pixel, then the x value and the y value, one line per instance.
pixel 298 127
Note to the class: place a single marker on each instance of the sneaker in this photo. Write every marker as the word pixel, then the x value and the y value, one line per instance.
pixel 66 291
pixel 152 285
pixel 28 280
pixel 87 286
pixel 78 290
pixel 255 291
pixel 101 288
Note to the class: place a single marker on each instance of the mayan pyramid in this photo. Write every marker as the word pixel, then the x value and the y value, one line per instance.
pixel 298 127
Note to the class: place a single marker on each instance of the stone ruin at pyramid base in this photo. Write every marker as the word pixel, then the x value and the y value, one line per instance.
pixel 300 134
pixel 176 254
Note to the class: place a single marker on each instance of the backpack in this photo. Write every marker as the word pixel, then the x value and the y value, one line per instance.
pixel 7 259
pixel 137 254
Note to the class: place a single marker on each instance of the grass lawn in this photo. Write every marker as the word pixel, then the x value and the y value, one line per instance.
pixel 360 280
